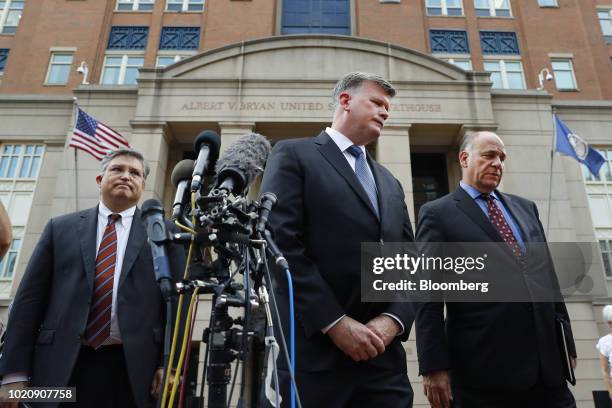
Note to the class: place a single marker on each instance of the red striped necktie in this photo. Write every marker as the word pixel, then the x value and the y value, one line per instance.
pixel 501 225
pixel 99 320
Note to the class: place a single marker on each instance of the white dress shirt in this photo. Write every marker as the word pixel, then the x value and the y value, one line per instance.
pixel 122 228
pixel 343 144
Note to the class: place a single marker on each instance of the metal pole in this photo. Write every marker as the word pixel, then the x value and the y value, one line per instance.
pixel 550 180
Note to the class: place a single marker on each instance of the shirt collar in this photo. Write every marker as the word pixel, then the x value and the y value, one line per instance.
pixel 342 141
pixel 473 192
pixel 104 212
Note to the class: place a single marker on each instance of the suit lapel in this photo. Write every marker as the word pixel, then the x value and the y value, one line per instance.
pixel 472 210
pixel 335 157
pixel 517 213
pixel 136 240
pixel 88 231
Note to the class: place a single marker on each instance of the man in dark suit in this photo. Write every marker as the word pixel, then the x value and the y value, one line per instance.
pixel 490 355
pixel 88 312
pixel 332 196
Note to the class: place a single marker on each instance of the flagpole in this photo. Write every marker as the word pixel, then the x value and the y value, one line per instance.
pixel 76 172
pixel 550 180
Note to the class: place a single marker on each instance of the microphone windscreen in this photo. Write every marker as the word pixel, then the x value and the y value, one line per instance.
pixel 182 171
pixel 151 204
pixel 210 138
pixel 248 154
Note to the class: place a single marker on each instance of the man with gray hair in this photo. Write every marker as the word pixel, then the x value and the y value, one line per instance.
pixel 88 312
pixel 491 355
pixel 332 196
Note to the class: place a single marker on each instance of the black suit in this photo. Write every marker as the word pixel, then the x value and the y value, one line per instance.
pixel 49 315
pixel 495 346
pixel 322 216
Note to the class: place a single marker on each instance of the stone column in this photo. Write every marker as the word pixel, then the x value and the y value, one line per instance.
pixel 393 152
pixel 153 142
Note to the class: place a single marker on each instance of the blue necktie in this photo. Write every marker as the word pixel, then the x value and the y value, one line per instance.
pixel 364 176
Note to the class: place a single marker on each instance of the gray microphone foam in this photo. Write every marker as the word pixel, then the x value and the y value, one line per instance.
pixel 248 155
pixel 182 171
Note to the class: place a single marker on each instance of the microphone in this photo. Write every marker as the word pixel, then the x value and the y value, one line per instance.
pixel 207 146
pixel 181 174
pixel 153 218
pixel 268 201
pixel 241 162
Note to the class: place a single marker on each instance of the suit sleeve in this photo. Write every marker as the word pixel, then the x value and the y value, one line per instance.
pixel 432 344
pixel 315 304
pixel 560 308
pixel 404 311
pixel 29 307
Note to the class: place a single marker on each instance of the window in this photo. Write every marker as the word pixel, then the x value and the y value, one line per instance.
pixel 128 38
pixel 564 74
pixel 548 3
pixel 135 5
pixel 605 21
pixel 20 161
pixel 505 73
pixel 59 69
pixel 163 60
pixel 494 8
pixel 7 265
pixel 10 14
pixel 179 38
pixel 3 57
pixel 463 63
pixel 185 5
pixel 499 43
pixel 121 69
pixel 444 7
pixel 449 41
pixel 316 17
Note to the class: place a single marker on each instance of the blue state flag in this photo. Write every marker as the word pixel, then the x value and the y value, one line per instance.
pixel 574 146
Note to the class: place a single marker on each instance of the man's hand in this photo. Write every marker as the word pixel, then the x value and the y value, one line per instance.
pixel 4 393
pixel 356 340
pixel 436 386
pixel 573 362
pixel 384 327
pixel 158 378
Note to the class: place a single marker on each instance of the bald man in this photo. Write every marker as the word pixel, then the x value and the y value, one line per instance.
pixel 492 355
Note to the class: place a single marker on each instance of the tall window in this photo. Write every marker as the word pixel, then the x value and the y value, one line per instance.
pixel 605 21
pixel 10 14
pixel 135 5
pixel 19 168
pixel 121 69
pixel 495 8
pixel 463 62
pixel 320 16
pixel 505 73
pixel 59 68
pixel 605 246
pixel 164 59
pixel 564 74
pixel 444 7
pixel 185 5
pixel 3 57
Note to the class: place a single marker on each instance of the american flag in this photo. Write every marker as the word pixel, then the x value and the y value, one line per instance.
pixel 95 137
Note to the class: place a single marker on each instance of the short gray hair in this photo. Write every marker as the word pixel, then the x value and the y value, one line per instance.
pixel 353 80
pixel 124 152
pixel 468 141
pixel 607 313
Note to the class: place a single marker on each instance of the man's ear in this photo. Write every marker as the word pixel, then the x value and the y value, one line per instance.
pixel 463 159
pixel 99 180
pixel 343 100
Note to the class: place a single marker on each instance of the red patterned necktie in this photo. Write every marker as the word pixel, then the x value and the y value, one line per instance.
pixel 497 219
pixel 98 322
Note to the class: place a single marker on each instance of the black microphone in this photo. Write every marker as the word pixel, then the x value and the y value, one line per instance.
pixel 181 174
pixel 241 162
pixel 153 218
pixel 207 146
pixel 273 250
pixel 268 201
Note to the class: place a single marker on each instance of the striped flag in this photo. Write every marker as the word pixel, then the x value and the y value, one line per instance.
pixel 95 137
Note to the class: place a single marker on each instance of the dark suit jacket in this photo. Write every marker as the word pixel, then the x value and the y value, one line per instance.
pixel 50 310
pixel 322 217
pixel 488 345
